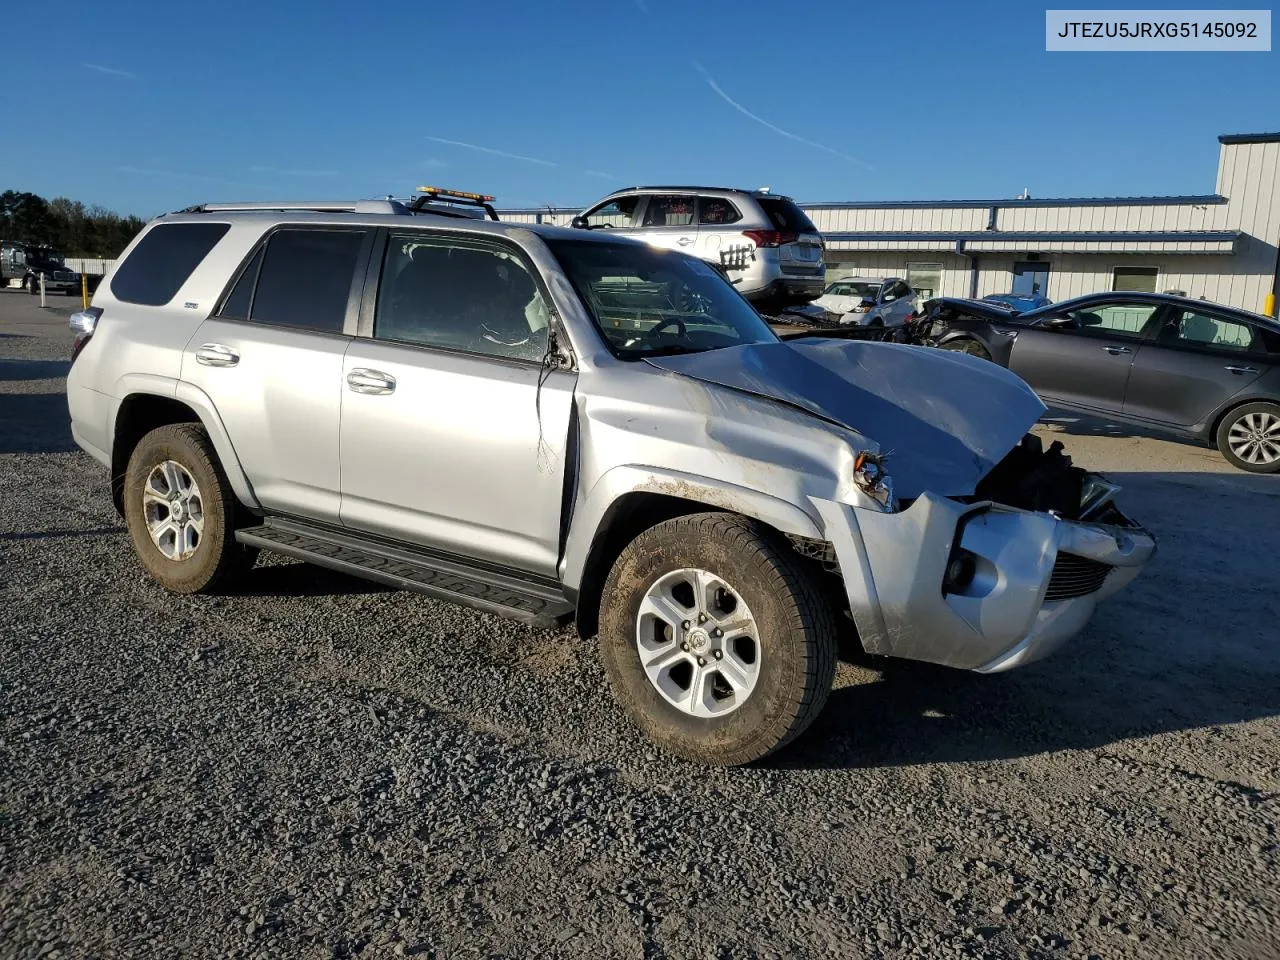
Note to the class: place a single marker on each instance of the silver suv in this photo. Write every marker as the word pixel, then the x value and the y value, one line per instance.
pixel 555 424
pixel 765 244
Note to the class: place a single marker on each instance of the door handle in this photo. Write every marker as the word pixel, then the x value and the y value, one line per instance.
pixel 374 382
pixel 217 355
pixel 1116 351
pixel 685 241
pixel 1233 368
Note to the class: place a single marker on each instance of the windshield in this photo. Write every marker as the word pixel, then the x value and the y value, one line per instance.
pixel 854 288
pixel 647 301
pixel 44 256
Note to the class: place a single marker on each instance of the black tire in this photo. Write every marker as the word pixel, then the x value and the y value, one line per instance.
pixel 966 345
pixel 1251 417
pixel 796 642
pixel 217 558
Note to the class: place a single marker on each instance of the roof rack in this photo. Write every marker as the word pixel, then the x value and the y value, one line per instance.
pixel 430 200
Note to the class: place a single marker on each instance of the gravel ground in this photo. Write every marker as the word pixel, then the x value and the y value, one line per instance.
pixel 317 767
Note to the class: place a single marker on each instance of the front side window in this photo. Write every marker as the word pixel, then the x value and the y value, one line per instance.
pixel 460 294
pixel 617 214
pixel 305 279
pixel 160 264
pixel 647 301
pixel 669 211
pixel 717 210
pixel 1194 329
pixel 1137 279
pixel 1113 319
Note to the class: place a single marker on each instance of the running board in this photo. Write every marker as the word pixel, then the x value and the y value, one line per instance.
pixel 537 601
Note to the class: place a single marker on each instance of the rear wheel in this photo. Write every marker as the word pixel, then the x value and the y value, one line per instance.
pixel 1249 437
pixel 716 642
pixel 966 345
pixel 179 509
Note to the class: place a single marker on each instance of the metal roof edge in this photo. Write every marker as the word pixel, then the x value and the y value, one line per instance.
pixel 1170 201
pixel 1057 236
pixel 1235 138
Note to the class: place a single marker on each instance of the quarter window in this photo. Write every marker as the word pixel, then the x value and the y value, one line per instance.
pixel 669 211
pixel 163 260
pixel 460 295
pixel 305 279
pixel 717 210
pixel 618 214
pixel 1137 279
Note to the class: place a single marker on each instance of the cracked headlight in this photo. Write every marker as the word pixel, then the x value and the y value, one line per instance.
pixel 870 476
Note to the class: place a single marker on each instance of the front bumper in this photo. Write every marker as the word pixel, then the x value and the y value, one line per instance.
pixel 1015 610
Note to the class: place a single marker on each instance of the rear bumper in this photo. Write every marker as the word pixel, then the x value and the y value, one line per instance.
pixel 798 289
pixel 894 565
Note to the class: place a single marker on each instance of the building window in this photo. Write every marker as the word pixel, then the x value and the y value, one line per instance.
pixel 1137 279
pixel 839 269
pixel 925 279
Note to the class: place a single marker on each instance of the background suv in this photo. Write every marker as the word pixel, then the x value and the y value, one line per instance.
pixel 770 250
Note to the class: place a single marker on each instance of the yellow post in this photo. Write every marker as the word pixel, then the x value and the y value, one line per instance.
pixel 84 291
pixel 1269 304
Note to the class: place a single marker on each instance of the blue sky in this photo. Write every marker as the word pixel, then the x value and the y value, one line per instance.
pixel 160 105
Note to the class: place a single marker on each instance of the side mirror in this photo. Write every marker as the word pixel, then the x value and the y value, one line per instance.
pixel 1059 323
pixel 579 223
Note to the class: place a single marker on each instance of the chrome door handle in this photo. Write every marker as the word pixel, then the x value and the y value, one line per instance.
pixel 1116 351
pixel 217 355
pixel 685 241
pixel 374 382
pixel 1236 369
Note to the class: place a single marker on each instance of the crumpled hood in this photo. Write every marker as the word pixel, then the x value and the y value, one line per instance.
pixel 944 418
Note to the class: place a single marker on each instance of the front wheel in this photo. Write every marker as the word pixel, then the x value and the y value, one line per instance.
pixel 1249 437
pixel 179 508
pixel 716 641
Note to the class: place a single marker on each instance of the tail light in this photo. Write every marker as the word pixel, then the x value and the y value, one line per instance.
pixel 770 238
pixel 83 323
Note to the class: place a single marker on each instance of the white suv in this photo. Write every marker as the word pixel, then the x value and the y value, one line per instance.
pixel 766 245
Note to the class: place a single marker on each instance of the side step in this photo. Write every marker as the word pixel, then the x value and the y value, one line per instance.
pixel 537 601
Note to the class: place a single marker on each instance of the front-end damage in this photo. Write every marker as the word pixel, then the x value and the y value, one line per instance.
pixel 990 581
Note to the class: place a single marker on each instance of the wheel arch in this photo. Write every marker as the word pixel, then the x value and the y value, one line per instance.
pixel 629 500
pixel 141 411
pixel 1235 403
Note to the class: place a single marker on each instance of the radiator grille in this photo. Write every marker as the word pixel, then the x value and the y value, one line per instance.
pixel 1075 577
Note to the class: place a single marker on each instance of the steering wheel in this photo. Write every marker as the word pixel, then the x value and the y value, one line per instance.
pixel 669 322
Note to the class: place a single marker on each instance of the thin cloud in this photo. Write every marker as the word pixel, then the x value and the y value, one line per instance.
pixel 642 7
pixel 433 163
pixel 601 174
pixel 776 129
pixel 110 71
pixel 181 175
pixel 493 152
pixel 294 173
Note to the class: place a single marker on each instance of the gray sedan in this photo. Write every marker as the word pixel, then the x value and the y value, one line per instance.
pixel 1187 367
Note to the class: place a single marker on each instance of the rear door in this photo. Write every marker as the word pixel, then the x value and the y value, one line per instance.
pixel 1199 360
pixel 670 221
pixel 1086 359
pixel 270 359
pixel 720 231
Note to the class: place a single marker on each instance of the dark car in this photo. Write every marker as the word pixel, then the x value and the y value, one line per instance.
pixel 1188 367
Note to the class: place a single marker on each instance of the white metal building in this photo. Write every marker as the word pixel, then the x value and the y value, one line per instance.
pixel 1222 246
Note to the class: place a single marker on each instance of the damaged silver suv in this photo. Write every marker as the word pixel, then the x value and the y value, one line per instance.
pixel 555 424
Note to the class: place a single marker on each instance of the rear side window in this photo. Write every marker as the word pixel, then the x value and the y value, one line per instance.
pixel 669 210
pixel 717 210
pixel 305 279
pixel 785 215
pixel 237 304
pixel 163 260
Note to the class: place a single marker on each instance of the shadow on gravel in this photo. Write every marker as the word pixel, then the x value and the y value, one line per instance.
pixel 64 534
pixel 1076 424
pixel 35 423
pixel 17 369
pixel 303 580
pixel 1189 645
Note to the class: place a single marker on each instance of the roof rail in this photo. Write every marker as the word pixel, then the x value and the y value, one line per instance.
pixel 312 206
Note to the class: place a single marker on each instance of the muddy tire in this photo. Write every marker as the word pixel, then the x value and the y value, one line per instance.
pixel 1249 437
pixel 180 512
pixel 966 345
pixel 716 642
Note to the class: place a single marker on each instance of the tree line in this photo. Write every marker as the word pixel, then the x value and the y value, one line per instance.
pixel 74 229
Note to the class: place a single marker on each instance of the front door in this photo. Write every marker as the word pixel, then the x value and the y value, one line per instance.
pixel 271 362
pixel 1198 361
pixel 1030 278
pixel 1083 357
pixel 454 435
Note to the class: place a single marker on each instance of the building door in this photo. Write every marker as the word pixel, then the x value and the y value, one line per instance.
pixel 1030 278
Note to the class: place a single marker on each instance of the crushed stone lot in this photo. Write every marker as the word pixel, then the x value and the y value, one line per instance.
pixel 318 767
